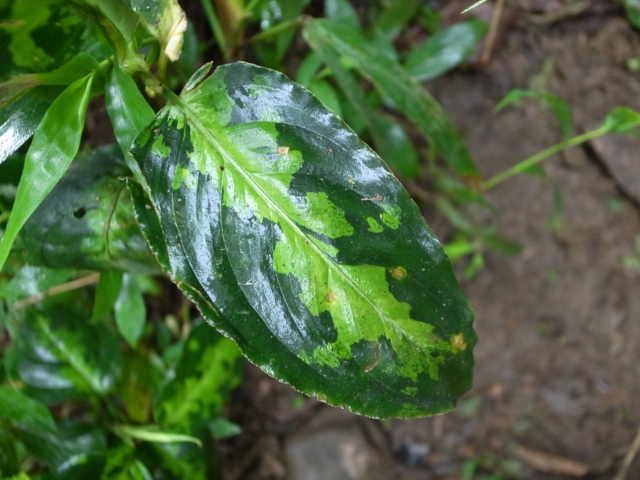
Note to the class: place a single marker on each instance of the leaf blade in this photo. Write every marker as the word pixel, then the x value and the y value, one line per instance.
pixel 54 146
pixel 254 180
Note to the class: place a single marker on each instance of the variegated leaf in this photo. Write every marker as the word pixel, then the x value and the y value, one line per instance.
pixel 295 240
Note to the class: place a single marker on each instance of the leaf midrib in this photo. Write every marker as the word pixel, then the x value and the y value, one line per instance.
pixel 228 157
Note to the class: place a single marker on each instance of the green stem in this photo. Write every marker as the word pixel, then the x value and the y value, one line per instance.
pixel 156 86
pixel 212 18
pixel 526 164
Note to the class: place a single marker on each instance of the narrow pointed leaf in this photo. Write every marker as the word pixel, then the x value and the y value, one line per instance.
pixel 130 311
pixel 54 145
pixel 444 50
pixel 394 83
pixel 128 110
pixel 294 238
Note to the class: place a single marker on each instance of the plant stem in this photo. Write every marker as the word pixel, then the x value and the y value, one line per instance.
pixel 524 165
pixel 216 28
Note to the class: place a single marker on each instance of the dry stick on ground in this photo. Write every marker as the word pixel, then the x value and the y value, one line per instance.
pixel 573 10
pixel 58 289
pixel 493 32
pixel 628 459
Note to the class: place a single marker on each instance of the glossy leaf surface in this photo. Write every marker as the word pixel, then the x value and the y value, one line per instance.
pixel 54 145
pixel 393 82
pixel 294 238
pixel 444 50
pixel 20 119
pixel 87 221
pixel 61 357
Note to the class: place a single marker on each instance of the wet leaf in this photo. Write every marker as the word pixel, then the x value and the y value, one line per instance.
pixel 393 82
pixel 165 20
pixel 24 412
pixel 54 145
pixel 87 221
pixel 61 356
pixel 445 50
pixel 208 370
pixel 128 110
pixel 294 238
pixel 20 119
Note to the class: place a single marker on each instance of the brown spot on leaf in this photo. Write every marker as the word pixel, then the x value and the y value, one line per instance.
pixel 283 150
pixel 458 343
pixel 399 273
pixel 376 356
pixel 331 296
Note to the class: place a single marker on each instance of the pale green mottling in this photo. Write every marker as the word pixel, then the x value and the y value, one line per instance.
pixel 391 215
pixel 184 175
pixel 374 226
pixel 324 247
pixel 159 148
pixel 411 391
pixel 362 308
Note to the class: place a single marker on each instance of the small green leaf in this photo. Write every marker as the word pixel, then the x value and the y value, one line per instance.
pixel 393 82
pixel 54 145
pixel 153 434
pixel 632 9
pixel 128 110
pixel 107 292
pixel 259 203
pixel 207 371
pixel 559 107
pixel 24 412
pixel 445 50
pixel 621 120
pixel 130 310
pixel 122 464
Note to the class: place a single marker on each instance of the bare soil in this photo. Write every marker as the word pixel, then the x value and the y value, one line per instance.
pixel 557 381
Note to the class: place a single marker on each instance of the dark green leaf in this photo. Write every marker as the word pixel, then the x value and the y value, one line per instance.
pixel 72 440
pixel 54 145
pixel 25 412
pixel 87 221
pixel 208 370
pixel 128 110
pixel 107 293
pixel 632 9
pixel 63 357
pixel 170 461
pixel 273 13
pixel 393 144
pixel 19 120
pixel 445 50
pixel 130 310
pixel 122 464
pixel 396 84
pixel 293 237
pixel 82 466
pixel 9 462
pixel 395 16
pixel 341 11
pixel 326 94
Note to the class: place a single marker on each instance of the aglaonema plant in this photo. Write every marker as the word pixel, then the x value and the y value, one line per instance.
pixel 288 232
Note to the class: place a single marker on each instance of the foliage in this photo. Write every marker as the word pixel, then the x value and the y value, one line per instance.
pixel 291 236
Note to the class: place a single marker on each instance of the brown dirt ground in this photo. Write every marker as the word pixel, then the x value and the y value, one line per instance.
pixel 558 358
